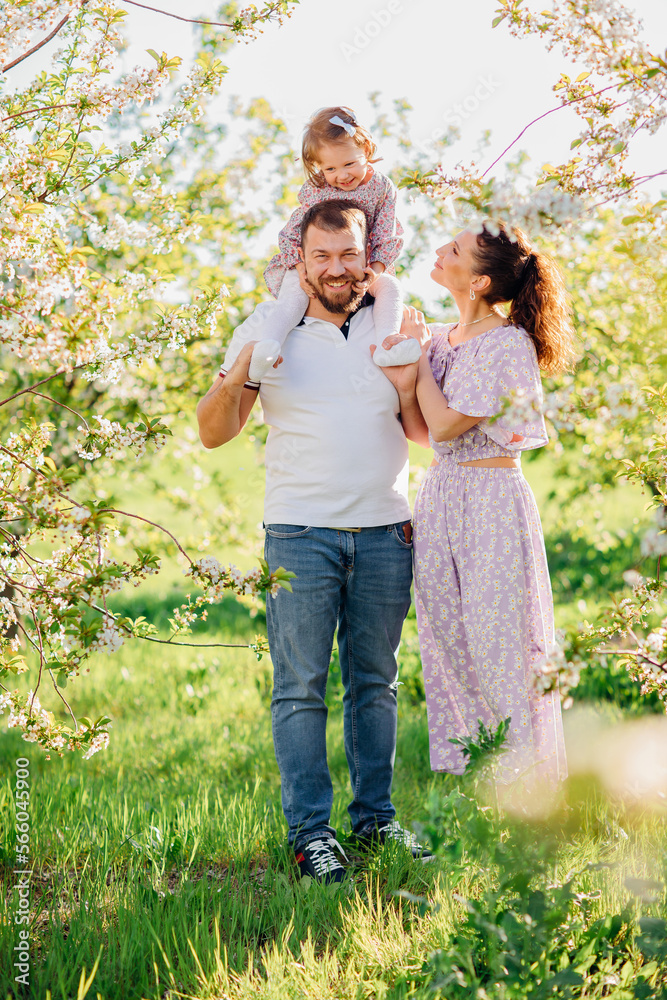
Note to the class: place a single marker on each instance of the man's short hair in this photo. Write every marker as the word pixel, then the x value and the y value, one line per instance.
pixel 335 216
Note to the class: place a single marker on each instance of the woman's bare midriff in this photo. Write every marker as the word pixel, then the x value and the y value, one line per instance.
pixel 490 463
pixel 501 462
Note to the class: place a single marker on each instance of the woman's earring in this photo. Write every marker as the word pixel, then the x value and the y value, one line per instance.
pixel 472 294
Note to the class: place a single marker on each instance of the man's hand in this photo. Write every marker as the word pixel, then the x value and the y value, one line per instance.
pixel 238 373
pixel 402 377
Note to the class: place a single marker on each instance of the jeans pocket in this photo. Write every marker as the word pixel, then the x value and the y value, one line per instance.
pixel 399 534
pixel 287 530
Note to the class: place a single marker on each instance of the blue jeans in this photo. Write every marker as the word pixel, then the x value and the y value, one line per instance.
pixel 358 582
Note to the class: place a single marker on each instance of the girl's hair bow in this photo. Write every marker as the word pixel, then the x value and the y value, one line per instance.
pixel 337 120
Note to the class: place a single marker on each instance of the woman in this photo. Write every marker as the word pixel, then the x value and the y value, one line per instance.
pixel 482 590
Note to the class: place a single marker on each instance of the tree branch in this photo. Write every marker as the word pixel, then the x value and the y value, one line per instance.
pixel 170 642
pixel 621 194
pixel 197 645
pixel 38 46
pixel 37 111
pixel 41 658
pixel 58 403
pixel 137 517
pixel 189 20
pixel 540 117
pixel 63 699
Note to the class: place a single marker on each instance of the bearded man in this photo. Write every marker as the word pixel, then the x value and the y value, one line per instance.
pixel 336 513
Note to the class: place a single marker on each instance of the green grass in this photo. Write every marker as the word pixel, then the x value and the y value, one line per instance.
pixel 165 854
pixel 171 845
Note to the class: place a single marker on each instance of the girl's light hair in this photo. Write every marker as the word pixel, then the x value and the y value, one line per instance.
pixel 533 284
pixel 320 131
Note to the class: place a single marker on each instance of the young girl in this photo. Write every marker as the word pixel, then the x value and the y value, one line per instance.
pixel 338 156
pixel 482 591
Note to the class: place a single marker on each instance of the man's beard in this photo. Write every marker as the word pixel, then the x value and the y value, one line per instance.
pixel 340 304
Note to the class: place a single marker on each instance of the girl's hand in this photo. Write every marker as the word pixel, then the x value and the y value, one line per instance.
pixel 365 283
pixel 414 325
pixel 303 281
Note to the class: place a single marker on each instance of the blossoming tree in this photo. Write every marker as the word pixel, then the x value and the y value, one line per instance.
pixel 122 238
pixel 110 260
pixel 610 415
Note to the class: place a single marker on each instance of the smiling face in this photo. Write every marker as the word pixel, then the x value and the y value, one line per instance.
pixel 343 164
pixel 334 261
pixel 454 264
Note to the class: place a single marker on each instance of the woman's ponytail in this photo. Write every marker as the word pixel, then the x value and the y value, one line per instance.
pixel 533 284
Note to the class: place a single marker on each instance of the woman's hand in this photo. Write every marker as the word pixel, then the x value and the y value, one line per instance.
pixel 394 338
pixel 414 325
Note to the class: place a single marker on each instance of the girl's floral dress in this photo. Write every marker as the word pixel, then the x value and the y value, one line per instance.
pixel 376 195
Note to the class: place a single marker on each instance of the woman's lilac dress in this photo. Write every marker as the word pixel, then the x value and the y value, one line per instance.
pixel 482 590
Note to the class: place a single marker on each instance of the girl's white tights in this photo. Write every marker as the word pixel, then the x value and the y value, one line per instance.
pixel 388 316
pixel 269 324
pixel 272 321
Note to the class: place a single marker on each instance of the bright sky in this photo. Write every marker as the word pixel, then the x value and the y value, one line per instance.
pixel 442 56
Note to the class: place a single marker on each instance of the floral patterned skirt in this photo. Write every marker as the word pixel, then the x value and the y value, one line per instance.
pixel 485 616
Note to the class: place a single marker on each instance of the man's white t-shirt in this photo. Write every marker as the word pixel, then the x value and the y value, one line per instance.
pixel 336 453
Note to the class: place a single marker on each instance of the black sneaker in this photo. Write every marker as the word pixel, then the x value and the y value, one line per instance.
pixel 317 859
pixel 375 836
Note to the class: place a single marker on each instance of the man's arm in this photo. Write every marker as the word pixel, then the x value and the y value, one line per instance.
pixel 404 377
pixel 412 419
pixel 404 380
pixel 224 409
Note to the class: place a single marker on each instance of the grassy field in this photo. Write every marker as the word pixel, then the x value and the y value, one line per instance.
pixel 161 862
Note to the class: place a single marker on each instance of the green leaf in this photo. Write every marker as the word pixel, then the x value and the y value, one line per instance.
pixel 566 977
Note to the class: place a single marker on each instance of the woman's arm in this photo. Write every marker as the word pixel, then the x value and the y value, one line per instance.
pixel 444 423
pixel 404 377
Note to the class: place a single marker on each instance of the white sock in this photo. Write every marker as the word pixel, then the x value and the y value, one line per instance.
pixel 405 352
pixel 264 355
